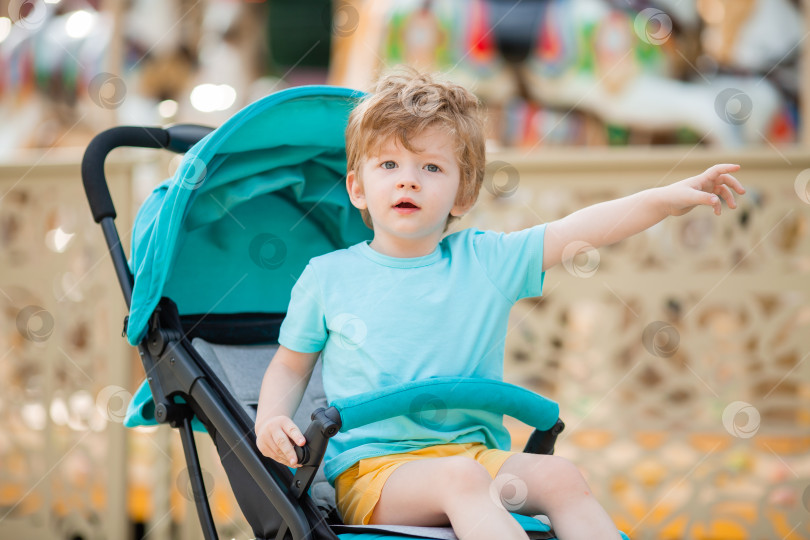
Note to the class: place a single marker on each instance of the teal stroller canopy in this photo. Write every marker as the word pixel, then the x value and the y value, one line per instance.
pixel 247 208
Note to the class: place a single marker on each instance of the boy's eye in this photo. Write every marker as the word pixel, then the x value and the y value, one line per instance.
pixel 388 165
pixel 432 168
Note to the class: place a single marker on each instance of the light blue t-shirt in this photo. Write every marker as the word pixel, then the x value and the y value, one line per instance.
pixel 382 320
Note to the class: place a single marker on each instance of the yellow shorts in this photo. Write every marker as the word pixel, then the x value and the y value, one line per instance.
pixel 358 488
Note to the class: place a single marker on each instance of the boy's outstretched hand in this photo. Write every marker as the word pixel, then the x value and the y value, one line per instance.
pixel 703 189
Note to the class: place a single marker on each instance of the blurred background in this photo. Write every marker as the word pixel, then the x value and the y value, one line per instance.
pixel 679 357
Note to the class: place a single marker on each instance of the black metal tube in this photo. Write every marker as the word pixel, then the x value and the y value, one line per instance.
pixel 206 399
pixel 196 479
pixel 93 178
pixel 119 259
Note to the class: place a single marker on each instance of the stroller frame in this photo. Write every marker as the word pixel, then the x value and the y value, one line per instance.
pixel 184 386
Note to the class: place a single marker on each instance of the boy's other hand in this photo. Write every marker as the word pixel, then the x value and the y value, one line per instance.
pixel 703 189
pixel 275 438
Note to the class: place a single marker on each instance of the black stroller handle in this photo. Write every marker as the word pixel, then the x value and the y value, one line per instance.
pixel 95 182
pixel 177 138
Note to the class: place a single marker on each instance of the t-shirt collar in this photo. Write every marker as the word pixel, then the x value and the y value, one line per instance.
pixel 398 262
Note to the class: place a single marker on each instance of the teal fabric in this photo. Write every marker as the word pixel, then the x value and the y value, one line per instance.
pixel 450 392
pixel 382 321
pixel 527 522
pixel 247 208
pixel 141 410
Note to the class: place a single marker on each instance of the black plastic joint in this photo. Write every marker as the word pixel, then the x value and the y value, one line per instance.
pixel 172 413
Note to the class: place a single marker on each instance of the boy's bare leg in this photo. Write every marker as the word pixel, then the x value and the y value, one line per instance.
pixel 554 486
pixel 433 492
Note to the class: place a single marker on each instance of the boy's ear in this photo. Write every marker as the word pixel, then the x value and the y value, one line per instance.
pixel 355 189
pixel 460 209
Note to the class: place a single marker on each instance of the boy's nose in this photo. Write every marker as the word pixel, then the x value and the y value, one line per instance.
pixel 413 184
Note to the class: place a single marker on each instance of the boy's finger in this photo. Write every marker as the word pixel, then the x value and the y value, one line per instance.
pixel 732 182
pixel 296 435
pixel 724 168
pixel 728 196
pixel 709 199
pixel 283 443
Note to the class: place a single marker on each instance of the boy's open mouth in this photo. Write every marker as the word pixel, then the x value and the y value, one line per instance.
pixel 406 207
pixel 406 203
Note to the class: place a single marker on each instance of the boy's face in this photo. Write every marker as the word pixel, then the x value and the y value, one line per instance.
pixel 409 194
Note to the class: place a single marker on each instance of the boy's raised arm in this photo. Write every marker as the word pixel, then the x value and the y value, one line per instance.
pixel 608 222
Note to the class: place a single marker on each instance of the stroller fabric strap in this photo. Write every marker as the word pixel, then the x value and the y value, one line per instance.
pixel 425 396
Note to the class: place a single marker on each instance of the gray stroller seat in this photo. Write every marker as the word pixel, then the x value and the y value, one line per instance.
pixel 241 369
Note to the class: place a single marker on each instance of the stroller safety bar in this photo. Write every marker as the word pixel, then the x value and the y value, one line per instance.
pixel 418 397
pixel 448 393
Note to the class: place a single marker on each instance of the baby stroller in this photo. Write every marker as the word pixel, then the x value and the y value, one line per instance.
pixel 215 252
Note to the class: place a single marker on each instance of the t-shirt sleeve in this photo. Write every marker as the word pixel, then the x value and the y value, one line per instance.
pixel 513 261
pixel 304 327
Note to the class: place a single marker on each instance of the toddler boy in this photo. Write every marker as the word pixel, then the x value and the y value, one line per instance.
pixel 411 305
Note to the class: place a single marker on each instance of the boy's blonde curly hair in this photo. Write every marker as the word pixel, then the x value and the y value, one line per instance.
pixel 403 104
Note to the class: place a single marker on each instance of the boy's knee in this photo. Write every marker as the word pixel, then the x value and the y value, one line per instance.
pixel 464 474
pixel 565 474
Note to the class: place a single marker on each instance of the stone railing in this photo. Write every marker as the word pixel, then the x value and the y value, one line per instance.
pixel 678 356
